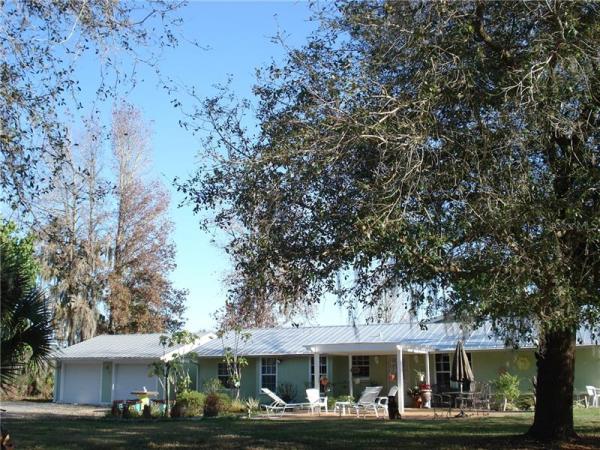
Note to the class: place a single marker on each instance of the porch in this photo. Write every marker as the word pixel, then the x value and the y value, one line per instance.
pixel 373 364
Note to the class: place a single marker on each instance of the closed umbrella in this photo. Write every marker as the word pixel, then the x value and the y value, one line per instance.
pixel 461 369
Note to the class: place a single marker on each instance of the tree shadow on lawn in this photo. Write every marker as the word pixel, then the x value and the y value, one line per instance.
pixel 494 433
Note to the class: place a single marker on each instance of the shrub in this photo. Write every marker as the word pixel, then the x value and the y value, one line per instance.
pixel 192 402
pixel 525 402
pixel 212 386
pixel 252 406
pixel 237 406
pixel 212 405
pixel 225 401
pixel 340 398
pixel 287 392
pixel 507 389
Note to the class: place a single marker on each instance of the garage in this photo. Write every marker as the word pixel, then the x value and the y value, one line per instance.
pixel 132 377
pixel 81 383
pixel 109 367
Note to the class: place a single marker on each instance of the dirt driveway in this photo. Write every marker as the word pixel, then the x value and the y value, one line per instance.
pixel 33 410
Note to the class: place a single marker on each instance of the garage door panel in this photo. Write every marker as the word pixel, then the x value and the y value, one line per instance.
pixel 81 383
pixel 132 377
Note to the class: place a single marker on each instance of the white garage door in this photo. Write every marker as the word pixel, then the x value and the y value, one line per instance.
pixel 132 377
pixel 81 383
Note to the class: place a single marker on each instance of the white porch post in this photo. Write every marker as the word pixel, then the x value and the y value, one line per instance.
pixel 400 379
pixel 427 378
pixel 350 384
pixel 112 382
pixel 317 360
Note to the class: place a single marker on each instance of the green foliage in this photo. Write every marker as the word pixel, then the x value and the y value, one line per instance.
pixel 525 402
pixel 252 406
pixel 24 317
pixel 287 392
pixel 331 400
pixel 225 401
pixel 212 386
pixel 506 387
pixel 192 401
pixel 237 406
pixel 169 371
pixel 212 405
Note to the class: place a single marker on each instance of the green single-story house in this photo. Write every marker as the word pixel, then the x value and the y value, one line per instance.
pixel 284 359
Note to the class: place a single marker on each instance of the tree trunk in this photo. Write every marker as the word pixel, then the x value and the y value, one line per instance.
pixel 556 371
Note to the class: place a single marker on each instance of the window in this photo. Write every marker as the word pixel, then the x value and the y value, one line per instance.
pixel 223 375
pixel 322 370
pixel 442 371
pixel 268 374
pixel 360 366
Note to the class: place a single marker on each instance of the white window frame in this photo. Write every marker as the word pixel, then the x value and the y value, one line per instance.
pixel 311 373
pixel 227 384
pixel 260 372
pixel 449 371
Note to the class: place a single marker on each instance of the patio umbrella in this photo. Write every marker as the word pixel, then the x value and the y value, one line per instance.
pixel 461 368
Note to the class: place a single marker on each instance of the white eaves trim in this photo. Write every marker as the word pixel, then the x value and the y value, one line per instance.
pixel 187 348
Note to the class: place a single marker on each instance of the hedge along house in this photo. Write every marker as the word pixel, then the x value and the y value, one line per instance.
pixel 110 367
pixel 353 357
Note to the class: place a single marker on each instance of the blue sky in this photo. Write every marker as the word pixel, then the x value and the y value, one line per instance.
pixel 238 38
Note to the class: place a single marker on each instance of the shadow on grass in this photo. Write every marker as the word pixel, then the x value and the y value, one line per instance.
pixel 492 433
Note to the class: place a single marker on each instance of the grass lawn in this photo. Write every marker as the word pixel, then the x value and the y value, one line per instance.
pixel 474 432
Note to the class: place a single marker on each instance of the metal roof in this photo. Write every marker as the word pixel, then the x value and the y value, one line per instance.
pixel 441 336
pixel 121 346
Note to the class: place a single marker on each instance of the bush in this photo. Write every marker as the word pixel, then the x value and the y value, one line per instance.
pixel 212 386
pixel 191 402
pixel 252 406
pixel 525 402
pixel 212 405
pixel 340 398
pixel 237 406
pixel 225 401
pixel 287 392
pixel 507 389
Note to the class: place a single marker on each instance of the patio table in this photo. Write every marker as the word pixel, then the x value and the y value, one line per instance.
pixel 462 396
pixel 340 407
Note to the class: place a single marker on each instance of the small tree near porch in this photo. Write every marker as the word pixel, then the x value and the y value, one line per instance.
pixel 170 369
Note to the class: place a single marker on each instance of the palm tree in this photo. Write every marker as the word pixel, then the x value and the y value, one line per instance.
pixel 26 330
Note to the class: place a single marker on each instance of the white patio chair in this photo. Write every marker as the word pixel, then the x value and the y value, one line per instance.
pixel 382 402
pixel 368 400
pixel 316 401
pixel 593 395
pixel 277 405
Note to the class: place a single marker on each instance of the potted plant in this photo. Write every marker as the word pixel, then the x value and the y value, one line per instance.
pixel 415 393
pixel 425 392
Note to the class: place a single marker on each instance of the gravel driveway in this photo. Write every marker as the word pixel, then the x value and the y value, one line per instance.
pixel 33 410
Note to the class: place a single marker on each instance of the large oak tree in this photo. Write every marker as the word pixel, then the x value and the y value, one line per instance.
pixel 450 148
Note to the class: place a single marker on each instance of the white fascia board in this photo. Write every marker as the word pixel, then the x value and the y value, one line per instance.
pixel 187 348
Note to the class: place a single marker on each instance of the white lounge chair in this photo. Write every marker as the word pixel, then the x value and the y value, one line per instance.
pixel 368 400
pixel 278 405
pixel 316 401
pixel 382 402
pixel 593 394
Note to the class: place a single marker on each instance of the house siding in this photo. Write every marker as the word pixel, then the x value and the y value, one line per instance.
pixel 487 365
